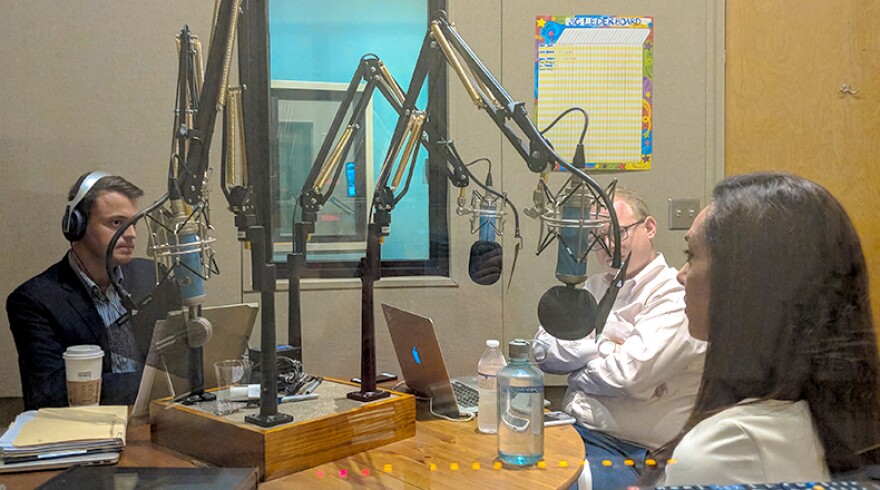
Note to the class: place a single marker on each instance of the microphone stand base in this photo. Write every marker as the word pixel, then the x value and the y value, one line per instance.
pixel 269 420
pixel 199 397
pixel 368 396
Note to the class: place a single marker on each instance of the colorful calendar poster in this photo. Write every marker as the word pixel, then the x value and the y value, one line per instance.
pixel 604 65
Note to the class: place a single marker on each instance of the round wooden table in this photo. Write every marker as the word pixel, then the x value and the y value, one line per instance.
pixel 442 455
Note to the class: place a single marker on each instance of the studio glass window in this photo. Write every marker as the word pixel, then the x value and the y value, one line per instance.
pixel 316 47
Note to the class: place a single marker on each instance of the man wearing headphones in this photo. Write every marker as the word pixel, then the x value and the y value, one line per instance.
pixel 73 302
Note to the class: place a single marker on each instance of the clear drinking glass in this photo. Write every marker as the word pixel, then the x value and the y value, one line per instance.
pixel 230 373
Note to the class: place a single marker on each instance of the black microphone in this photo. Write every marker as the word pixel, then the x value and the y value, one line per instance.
pixel 485 264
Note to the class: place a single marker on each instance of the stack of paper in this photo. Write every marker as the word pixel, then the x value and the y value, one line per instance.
pixel 61 437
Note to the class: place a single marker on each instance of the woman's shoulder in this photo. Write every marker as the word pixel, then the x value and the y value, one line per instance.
pixel 754 441
pixel 754 418
pixel 763 408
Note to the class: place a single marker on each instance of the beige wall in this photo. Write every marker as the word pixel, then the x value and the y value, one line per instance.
pixel 91 86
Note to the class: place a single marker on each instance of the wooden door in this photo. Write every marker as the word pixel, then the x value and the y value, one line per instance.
pixel 787 107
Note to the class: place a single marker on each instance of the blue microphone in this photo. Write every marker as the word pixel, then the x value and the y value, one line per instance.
pixel 187 272
pixel 571 244
pixel 569 312
pixel 185 250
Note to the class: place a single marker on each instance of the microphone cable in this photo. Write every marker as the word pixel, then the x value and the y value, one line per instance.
pixel 565 113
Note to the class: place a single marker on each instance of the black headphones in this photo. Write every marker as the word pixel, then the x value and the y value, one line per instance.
pixel 73 224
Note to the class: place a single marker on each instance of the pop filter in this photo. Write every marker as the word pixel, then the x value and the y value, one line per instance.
pixel 485 262
pixel 487 219
pixel 567 312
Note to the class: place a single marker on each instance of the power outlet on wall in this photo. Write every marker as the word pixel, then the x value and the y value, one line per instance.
pixel 682 212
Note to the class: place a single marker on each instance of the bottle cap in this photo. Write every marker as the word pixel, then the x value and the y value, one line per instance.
pixel 492 343
pixel 518 349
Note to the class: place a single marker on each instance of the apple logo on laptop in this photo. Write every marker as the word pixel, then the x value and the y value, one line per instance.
pixel 415 354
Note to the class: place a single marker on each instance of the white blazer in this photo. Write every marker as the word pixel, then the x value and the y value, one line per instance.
pixel 759 442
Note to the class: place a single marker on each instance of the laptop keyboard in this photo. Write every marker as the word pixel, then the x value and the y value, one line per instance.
pixel 827 485
pixel 466 396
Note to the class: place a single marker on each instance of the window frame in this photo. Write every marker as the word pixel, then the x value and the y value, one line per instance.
pixel 437 263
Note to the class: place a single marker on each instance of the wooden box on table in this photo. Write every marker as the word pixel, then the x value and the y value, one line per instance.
pixel 323 430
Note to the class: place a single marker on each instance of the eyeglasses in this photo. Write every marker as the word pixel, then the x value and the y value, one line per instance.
pixel 624 233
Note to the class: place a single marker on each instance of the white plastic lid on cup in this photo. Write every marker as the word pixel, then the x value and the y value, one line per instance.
pixel 492 343
pixel 83 352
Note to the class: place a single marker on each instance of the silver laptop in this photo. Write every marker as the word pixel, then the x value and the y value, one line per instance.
pixel 422 365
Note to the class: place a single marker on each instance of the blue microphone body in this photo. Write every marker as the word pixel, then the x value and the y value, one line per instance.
pixel 188 269
pixel 192 286
pixel 571 246
pixel 487 225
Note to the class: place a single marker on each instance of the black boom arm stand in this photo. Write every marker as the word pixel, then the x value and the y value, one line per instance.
pixel 198 102
pixel 318 188
pixel 418 130
pixel 199 99
pixel 325 171
pixel 253 209
pixel 408 129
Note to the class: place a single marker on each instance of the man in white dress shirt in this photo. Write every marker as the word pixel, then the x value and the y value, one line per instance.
pixel 631 391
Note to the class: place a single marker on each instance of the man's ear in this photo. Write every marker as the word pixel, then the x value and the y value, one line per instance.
pixel 651 227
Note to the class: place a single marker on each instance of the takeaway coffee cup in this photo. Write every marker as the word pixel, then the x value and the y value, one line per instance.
pixel 83 365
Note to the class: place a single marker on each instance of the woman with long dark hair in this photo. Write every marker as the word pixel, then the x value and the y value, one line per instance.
pixel 776 282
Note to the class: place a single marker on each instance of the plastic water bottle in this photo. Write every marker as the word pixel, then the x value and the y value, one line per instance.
pixel 520 409
pixel 487 370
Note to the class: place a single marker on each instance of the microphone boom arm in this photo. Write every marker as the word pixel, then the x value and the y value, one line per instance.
pixel 488 94
pixel 211 100
pixel 537 152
